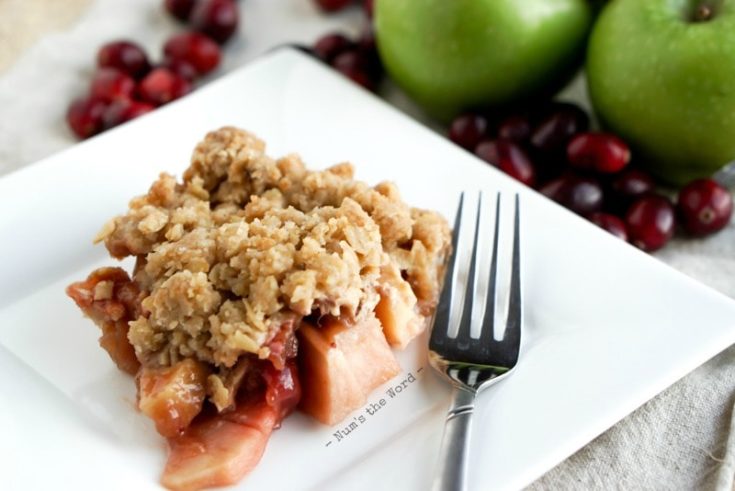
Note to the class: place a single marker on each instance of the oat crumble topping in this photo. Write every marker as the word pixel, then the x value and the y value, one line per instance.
pixel 246 243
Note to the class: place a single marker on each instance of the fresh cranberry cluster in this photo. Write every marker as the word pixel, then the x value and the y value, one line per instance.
pixel 357 59
pixel 589 173
pixel 127 85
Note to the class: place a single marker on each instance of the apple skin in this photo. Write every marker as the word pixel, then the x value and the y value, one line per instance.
pixel 666 84
pixel 453 55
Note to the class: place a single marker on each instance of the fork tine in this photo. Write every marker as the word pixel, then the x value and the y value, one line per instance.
pixel 513 324
pixel 444 307
pixel 465 324
pixel 488 323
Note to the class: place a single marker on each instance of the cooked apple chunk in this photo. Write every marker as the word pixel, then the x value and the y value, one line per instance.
pixel 111 300
pixel 172 396
pixel 340 365
pixel 220 450
pixel 397 309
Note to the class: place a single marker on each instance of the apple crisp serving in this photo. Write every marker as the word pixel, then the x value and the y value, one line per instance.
pixel 244 269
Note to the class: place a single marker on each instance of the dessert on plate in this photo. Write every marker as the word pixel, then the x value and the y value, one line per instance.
pixel 259 287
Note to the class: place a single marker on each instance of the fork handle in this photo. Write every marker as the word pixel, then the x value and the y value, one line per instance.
pixel 452 467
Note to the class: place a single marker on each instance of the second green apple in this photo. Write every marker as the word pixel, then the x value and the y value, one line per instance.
pixel 452 55
pixel 661 75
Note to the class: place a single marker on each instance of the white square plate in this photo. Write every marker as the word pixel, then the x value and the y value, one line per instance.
pixel 606 326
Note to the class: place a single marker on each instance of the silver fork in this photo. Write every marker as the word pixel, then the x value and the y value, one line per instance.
pixel 472 364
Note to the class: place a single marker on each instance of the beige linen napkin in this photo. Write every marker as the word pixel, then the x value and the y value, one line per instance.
pixel 727 467
pixel 23 21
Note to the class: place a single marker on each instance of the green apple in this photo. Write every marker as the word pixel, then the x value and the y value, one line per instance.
pixel 661 74
pixel 451 55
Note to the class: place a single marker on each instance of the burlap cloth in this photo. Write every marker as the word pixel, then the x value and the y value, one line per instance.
pixel 678 440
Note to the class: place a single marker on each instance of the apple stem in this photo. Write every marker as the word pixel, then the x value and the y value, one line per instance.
pixel 703 13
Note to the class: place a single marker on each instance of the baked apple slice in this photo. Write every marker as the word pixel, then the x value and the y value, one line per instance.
pixel 340 364
pixel 111 300
pixel 172 396
pixel 221 449
pixel 397 310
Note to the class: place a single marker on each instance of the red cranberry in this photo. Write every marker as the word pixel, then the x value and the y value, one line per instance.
pixel 508 157
pixel 704 207
pixel 555 189
pixel 84 116
pixel 600 152
pixel 467 130
pixel 122 111
pixel 555 130
pixel 125 56
pixel 333 5
pixel 628 186
pixel 181 68
pixel 650 222
pixel 329 46
pixel 369 7
pixel 110 84
pixel 582 195
pixel 181 9
pixel 162 86
pixel 216 18
pixel 632 183
pixel 356 67
pixel 516 128
pixel 611 224
pixel 194 48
